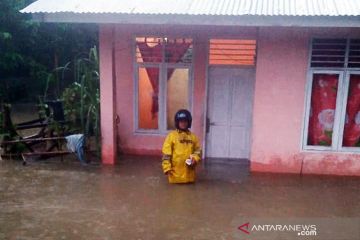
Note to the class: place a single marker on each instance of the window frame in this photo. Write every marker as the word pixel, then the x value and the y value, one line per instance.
pixel 341 104
pixel 308 108
pixel 163 66
pixel 343 114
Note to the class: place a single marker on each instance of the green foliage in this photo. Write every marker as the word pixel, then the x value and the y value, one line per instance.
pixel 7 130
pixel 29 50
pixel 15 31
pixel 82 98
pixel 5 36
pixel 329 134
pixel 2 131
pixel 71 99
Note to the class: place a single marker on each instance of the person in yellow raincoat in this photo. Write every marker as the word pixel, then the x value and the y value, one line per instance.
pixel 181 150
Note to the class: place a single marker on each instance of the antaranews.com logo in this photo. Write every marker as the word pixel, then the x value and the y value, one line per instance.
pixel 298 229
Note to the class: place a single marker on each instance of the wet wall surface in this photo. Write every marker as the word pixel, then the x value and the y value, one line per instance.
pixel 132 200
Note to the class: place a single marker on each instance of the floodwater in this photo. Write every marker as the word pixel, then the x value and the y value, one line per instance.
pixel 132 200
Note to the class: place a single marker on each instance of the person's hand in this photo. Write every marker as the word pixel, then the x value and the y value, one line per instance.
pixel 193 161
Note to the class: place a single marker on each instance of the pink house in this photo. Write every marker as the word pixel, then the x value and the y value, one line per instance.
pixel 275 82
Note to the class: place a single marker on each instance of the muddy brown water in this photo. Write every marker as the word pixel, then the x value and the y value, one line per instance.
pixel 132 200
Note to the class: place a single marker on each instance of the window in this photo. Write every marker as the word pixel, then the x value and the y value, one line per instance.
pixel 148 102
pixel 333 96
pixel 351 136
pixel 177 93
pixel 163 81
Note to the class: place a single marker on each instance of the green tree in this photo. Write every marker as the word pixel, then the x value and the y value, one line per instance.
pixel 30 50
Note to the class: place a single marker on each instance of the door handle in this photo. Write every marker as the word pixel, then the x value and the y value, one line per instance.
pixel 207 125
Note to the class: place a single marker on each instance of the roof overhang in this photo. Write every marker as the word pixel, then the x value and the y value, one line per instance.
pixel 210 20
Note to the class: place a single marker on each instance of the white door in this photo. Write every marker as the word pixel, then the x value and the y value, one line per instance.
pixel 229 112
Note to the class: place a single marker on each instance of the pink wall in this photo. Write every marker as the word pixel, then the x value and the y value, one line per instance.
pixel 137 143
pixel 281 75
pixel 107 96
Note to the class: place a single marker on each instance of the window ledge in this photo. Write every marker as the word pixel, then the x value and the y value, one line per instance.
pixel 150 133
pixel 329 151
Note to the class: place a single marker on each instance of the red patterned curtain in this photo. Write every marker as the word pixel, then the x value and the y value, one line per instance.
pixel 322 114
pixel 352 120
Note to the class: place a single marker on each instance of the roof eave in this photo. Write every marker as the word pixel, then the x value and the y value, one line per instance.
pixel 210 20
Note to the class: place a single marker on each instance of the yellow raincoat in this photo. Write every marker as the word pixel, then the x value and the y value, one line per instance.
pixel 178 147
